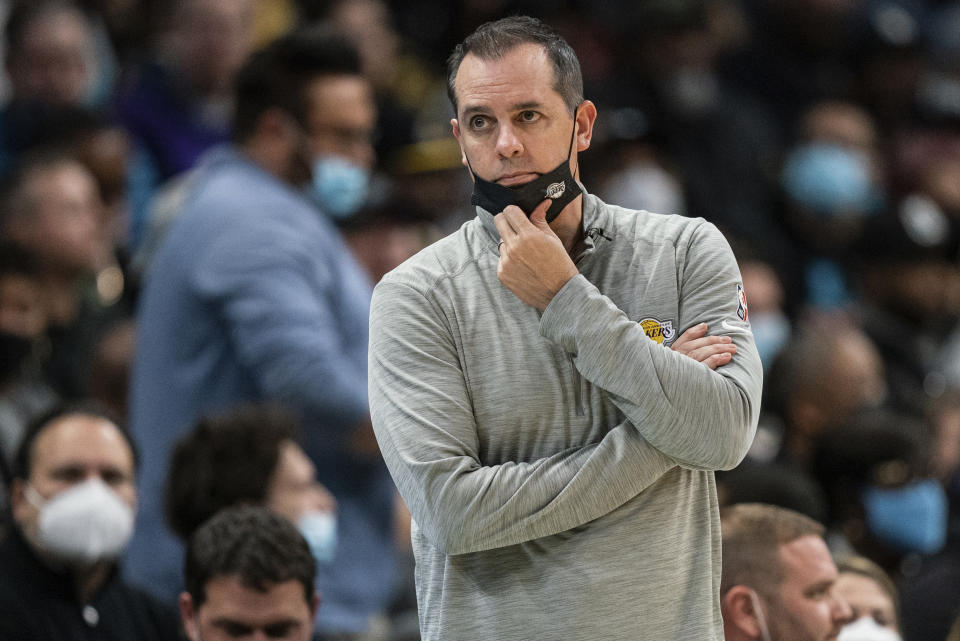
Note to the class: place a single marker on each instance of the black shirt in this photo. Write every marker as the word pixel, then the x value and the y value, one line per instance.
pixel 38 603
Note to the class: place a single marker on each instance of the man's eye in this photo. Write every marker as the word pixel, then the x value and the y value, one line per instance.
pixel 529 116
pixel 236 630
pixel 279 630
pixel 69 474
pixel 113 477
pixel 478 122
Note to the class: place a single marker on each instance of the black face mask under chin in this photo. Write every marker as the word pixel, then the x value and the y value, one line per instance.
pixel 557 185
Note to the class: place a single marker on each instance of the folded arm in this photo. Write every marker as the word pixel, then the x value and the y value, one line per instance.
pixel 701 417
pixel 424 421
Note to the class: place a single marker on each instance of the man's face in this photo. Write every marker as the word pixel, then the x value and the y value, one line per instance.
pixel 341 118
pixel 66 228
pixel 55 61
pixel 511 123
pixel 806 607
pixel 235 611
pixel 74 449
pixel 21 306
pixel 294 490
pixel 211 40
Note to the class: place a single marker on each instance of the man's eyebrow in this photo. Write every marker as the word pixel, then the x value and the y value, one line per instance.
pixel 819 587
pixel 523 106
pixel 471 110
pixel 226 623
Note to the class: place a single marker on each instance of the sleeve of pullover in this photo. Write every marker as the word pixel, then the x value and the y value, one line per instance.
pixel 702 418
pixel 426 429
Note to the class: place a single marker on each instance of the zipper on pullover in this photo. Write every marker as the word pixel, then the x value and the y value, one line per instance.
pixel 577 388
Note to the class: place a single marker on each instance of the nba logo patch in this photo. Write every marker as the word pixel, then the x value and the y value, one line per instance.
pixel 741 303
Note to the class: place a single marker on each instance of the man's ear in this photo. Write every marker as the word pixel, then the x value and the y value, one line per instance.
pixel 188 616
pixel 18 500
pixel 455 124
pixel 586 117
pixel 275 124
pixel 739 612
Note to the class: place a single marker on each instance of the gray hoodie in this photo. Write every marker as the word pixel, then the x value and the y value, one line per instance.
pixel 559 467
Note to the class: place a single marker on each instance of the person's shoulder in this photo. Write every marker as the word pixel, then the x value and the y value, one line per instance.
pixel 232 196
pixel 445 258
pixel 651 227
pixel 150 617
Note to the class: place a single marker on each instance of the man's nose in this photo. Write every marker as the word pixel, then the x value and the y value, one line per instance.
pixel 508 143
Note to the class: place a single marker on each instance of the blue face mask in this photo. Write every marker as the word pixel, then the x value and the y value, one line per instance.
pixel 339 186
pixel 320 531
pixel 830 181
pixel 912 518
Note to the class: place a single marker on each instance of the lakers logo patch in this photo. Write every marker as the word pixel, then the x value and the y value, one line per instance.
pixel 658 331
pixel 556 190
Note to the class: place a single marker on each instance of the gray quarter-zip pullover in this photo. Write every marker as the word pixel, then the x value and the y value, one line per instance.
pixel 559 468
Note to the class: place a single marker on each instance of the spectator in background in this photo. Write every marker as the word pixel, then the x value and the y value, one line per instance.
pixel 248 456
pixel 909 280
pixel 799 52
pixel 930 596
pixel 832 188
pixel 23 324
pixel 721 143
pixel 882 502
pixel 637 175
pixel 73 500
pixel 828 371
pixel 56 57
pixel 180 104
pixel 248 574
pixel 773 483
pixel 890 63
pixel 872 597
pixel 369 25
pixel 52 208
pixel 254 296
pixel 778 579
pixel 383 236
pixel 108 377
pixel 768 315
pixel 50 52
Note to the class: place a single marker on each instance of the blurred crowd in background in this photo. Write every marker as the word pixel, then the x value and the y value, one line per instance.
pixel 821 136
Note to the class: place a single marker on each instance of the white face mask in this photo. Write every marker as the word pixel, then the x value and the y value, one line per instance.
pixel 866 629
pixel 88 522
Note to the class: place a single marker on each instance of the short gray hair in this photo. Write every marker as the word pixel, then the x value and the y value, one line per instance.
pixel 492 40
pixel 752 534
